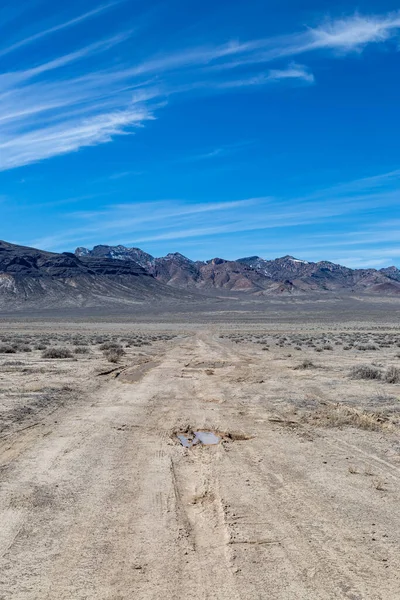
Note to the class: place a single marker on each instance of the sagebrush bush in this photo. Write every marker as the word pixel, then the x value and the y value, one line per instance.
pixel 365 372
pixel 7 349
pixel 306 364
pixel 110 346
pixel 392 375
pixel 368 346
pixel 81 350
pixel 57 353
pixel 113 355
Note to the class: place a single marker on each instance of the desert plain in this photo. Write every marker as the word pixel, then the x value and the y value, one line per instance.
pixel 298 500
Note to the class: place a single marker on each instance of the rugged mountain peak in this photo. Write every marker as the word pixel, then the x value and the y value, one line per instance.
pixel 135 255
pixel 177 257
pixel 249 259
pixel 82 251
pixel 391 272
pixel 292 259
pixel 391 269
pixel 217 261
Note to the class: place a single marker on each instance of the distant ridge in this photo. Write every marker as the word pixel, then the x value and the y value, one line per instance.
pixel 285 275
pixel 31 277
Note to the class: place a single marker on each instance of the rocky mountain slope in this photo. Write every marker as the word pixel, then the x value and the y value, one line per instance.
pixel 44 279
pixel 117 276
pixel 286 275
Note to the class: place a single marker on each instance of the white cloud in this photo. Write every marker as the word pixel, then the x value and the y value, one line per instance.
pixel 67 137
pixel 355 32
pixel 104 98
pixel 294 71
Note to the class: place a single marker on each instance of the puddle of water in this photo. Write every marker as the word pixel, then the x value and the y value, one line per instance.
pixel 207 438
pixel 186 443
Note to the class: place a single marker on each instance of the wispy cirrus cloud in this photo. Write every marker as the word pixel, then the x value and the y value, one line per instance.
pixel 97 91
pixel 220 152
pixel 56 28
pixel 132 219
pixel 136 223
pixel 340 36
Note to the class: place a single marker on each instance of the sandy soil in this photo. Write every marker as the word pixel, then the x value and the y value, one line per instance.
pixel 98 500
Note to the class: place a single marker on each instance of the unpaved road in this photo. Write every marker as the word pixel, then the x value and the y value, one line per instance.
pixel 99 501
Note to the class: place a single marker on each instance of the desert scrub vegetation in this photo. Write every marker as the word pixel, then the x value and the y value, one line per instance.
pixel 110 346
pixel 81 350
pixel 13 363
pixel 364 347
pixel 392 375
pixel 338 415
pixel 365 372
pixel 114 354
pixel 306 364
pixel 7 349
pixel 57 353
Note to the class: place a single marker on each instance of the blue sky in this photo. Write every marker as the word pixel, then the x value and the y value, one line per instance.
pixel 225 128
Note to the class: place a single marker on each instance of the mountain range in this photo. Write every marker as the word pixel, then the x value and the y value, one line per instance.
pixel 115 276
pixel 255 275
pixel 49 280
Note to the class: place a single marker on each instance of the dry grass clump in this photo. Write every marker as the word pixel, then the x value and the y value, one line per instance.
pixel 306 364
pixel 392 375
pixel 365 372
pixel 338 415
pixel 57 353
pixel 13 363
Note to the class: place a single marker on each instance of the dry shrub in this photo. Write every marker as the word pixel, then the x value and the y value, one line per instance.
pixel 306 364
pixel 338 415
pixel 392 375
pixel 368 346
pixel 7 349
pixel 57 353
pixel 81 350
pixel 40 347
pixel 365 372
pixel 113 355
pixel 13 363
pixel 110 346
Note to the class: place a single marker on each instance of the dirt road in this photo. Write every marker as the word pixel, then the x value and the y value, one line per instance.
pixel 100 501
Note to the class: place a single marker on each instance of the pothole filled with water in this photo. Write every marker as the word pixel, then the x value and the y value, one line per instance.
pixel 193 438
